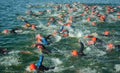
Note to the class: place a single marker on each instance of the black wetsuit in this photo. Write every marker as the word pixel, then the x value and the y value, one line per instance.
pixel 81 49
pixel 50 39
pixel 13 31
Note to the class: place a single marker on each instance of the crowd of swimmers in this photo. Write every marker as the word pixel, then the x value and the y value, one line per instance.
pixel 67 14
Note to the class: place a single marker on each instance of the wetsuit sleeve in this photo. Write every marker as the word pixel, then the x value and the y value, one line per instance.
pixel 81 47
pixel 48 37
pixel 40 61
pixel 44 41
pixel 61 29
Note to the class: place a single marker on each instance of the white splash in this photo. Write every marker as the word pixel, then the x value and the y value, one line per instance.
pixel 14 52
pixel 25 32
pixel 94 51
pixel 79 34
pixel 117 67
pixel 62 68
pixel 56 61
pixel 58 38
pixel 11 59
pixel 87 70
pixel 28 69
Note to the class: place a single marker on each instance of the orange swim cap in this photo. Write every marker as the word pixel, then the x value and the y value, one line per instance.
pixel 110 46
pixel 33 67
pixel 75 53
pixel 106 33
pixel 94 39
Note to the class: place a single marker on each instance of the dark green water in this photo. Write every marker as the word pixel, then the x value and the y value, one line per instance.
pixel 96 61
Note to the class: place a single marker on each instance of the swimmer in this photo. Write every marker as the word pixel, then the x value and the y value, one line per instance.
pixel 41 48
pixel 112 47
pixel 39 67
pixel 12 31
pixel 42 40
pixel 54 37
pixel 6 31
pixel 46 40
pixel 106 34
pixel 42 67
pixel 94 40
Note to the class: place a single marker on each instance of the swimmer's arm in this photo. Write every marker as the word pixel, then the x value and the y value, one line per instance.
pixel 40 61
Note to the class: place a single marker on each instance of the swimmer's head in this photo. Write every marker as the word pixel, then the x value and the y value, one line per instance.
pixel 33 67
pixel 106 33
pixel 75 53
pixel 6 31
pixel 39 36
pixel 33 27
pixel 110 47
pixel 94 39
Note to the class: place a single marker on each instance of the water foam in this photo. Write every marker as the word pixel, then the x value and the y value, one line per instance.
pixel 62 68
pixel 117 67
pixel 58 38
pixel 28 69
pixel 94 51
pixel 56 61
pixel 11 59
pixel 87 70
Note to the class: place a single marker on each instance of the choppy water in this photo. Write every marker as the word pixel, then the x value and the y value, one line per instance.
pixel 96 61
